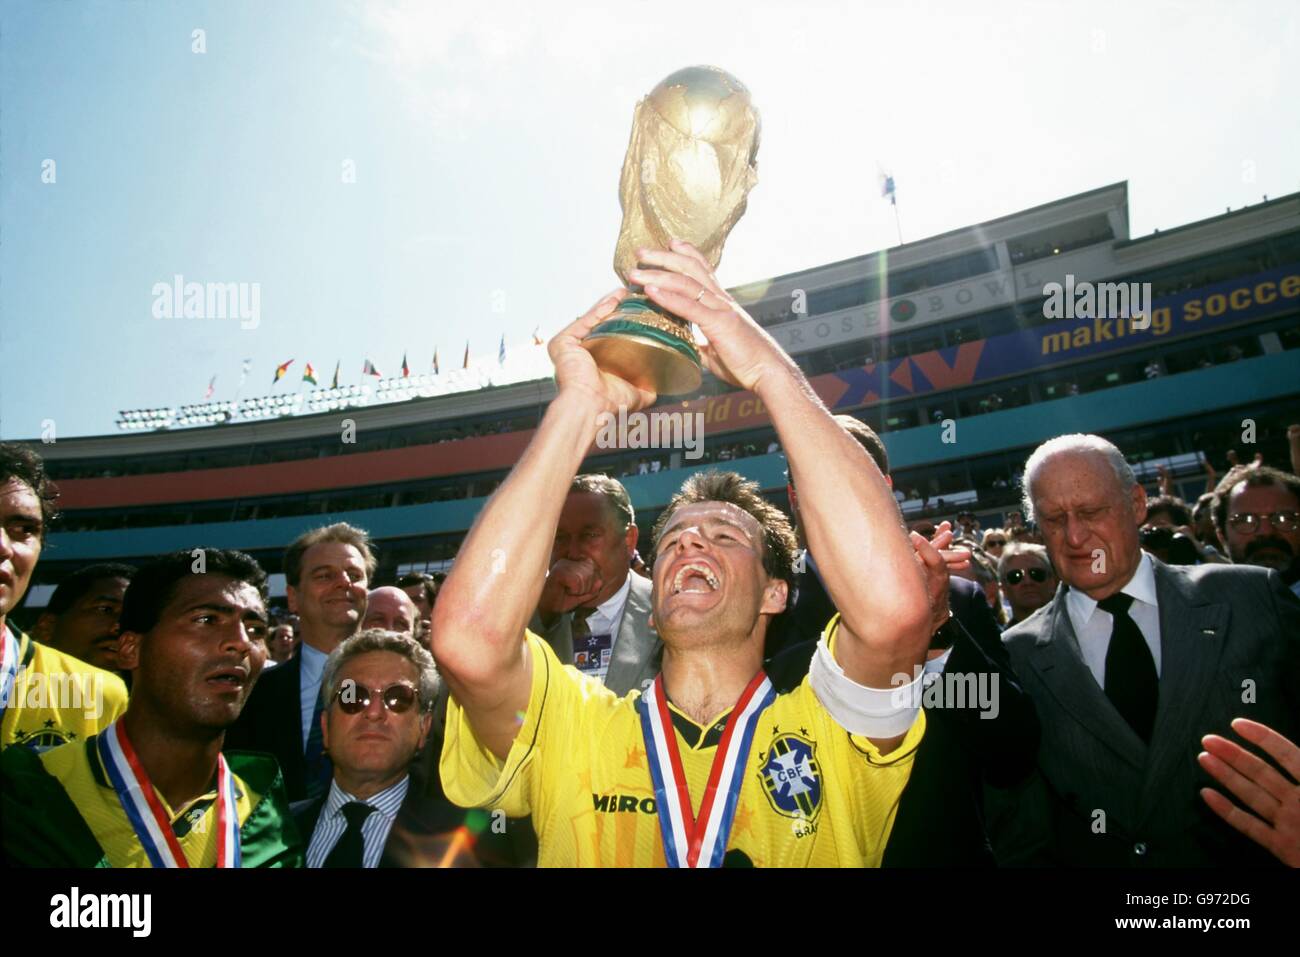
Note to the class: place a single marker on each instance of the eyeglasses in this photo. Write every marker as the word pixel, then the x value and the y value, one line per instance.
pixel 1248 522
pixel 1016 575
pixel 397 698
pixel 995 543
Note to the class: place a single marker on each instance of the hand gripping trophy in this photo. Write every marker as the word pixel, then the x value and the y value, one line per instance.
pixel 688 170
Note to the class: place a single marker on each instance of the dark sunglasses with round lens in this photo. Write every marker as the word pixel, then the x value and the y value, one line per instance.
pixel 1017 575
pixel 397 698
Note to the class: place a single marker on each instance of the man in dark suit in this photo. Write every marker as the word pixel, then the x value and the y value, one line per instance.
pixel 327 571
pixel 594 610
pixel 963 746
pixel 1130 665
pixel 379 689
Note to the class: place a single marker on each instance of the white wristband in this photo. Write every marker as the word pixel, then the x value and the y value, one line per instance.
pixel 869 712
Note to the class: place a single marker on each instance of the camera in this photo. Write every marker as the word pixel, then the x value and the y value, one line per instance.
pixel 1171 547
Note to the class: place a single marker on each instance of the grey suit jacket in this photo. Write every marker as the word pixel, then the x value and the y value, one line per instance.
pixel 637 652
pixel 1230 647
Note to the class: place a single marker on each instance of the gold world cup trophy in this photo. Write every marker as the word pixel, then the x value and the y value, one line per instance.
pixel 688 169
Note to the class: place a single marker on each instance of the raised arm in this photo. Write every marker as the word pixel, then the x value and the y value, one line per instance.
pixel 847 509
pixel 485 604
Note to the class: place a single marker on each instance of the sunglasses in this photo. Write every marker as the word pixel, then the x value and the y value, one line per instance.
pixel 1248 522
pixel 397 698
pixel 1016 575
pixel 995 543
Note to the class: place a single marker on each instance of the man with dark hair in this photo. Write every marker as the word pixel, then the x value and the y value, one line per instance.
pixel 155 789
pixel 421 588
pixel 81 617
pixel 1168 511
pixel 48 697
pixel 809 778
pixel 593 611
pixel 280 644
pixel 327 571
pixel 1257 515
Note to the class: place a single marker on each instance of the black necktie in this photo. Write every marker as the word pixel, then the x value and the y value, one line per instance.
pixel 1131 682
pixel 318 769
pixel 350 849
pixel 580 628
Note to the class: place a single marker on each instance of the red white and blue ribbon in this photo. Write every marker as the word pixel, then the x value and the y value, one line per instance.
pixel 152 825
pixel 702 841
pixel 8 664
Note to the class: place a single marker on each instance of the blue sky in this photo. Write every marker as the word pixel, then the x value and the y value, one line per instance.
pixel 487 139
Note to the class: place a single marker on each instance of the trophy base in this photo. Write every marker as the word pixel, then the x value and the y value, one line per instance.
pixel 646 348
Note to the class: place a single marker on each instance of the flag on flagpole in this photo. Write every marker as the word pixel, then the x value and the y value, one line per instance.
pixel 280 370
pixel 212 384
pixel 406 370
pixel 501 352
pixel 335 383
pixel 887 188
pixel 369 369
pixel 435 361
pixel 309 375
pixel 537 340
pixel 465 364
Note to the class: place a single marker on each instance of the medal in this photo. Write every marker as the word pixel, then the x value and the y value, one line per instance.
pixel 688 841
pixel 145 811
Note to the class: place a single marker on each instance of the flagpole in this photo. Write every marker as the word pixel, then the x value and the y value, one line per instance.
pixel 897 222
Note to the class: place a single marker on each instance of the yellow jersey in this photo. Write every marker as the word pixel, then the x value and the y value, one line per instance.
pixel 813 795
pixel 60 810
pixel 56 698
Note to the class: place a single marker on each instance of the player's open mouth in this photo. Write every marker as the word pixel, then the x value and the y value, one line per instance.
pixel 694 577
pixel 229 677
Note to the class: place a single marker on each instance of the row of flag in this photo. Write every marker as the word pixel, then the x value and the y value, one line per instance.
pixel 367 368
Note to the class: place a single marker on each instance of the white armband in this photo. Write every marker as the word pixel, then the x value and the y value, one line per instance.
pixel 869 712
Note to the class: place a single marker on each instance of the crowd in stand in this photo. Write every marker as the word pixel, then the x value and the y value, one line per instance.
pixel 1107 677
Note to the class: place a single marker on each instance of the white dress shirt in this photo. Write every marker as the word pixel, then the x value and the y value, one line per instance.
pixel 1092 626
pixel 374 829
pixel 605 620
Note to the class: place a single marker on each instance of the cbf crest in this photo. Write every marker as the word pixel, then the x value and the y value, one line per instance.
pixel 791 776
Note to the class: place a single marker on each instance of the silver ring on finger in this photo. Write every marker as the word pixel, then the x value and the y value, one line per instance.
pixel 703 290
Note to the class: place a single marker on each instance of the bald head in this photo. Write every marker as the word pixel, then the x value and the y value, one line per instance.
pixel 1089 507
pixel 391 609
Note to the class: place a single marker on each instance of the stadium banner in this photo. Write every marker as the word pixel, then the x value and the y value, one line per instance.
pixel 1243 299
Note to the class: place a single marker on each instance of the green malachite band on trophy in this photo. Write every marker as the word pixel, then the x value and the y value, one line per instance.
pixel 626 327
